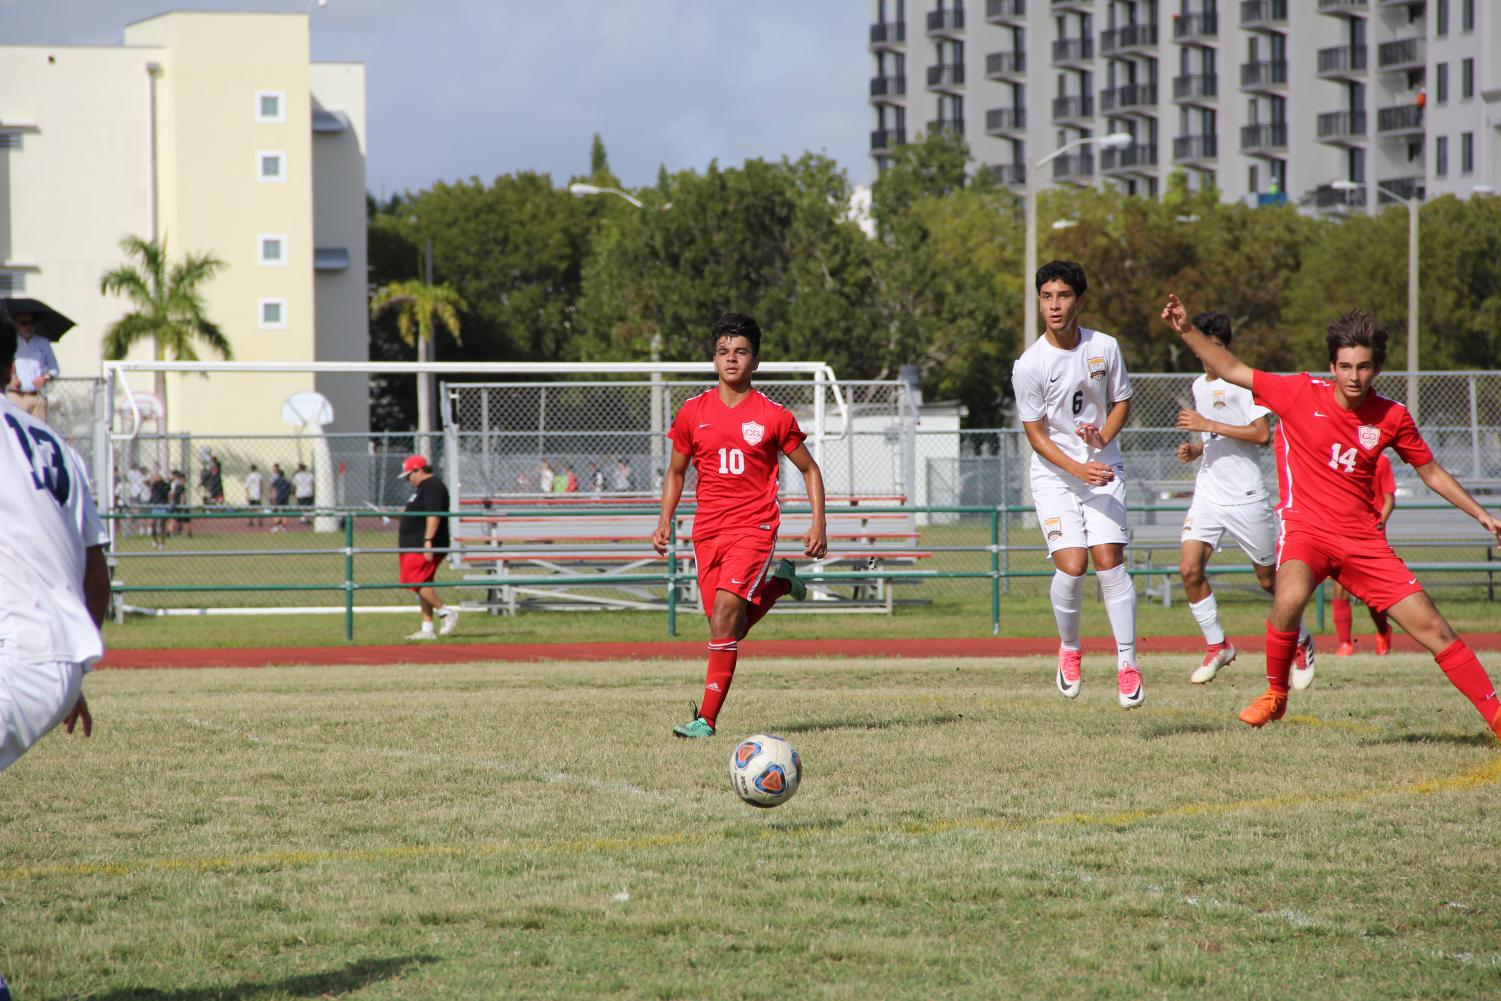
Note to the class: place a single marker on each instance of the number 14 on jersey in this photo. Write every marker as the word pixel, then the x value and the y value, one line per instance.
pixel 1345 459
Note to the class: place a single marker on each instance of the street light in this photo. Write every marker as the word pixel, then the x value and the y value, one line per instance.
pixel 581 190
pixel 1113 140
pixel 1413 203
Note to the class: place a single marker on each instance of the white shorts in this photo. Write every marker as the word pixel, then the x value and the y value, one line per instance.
pixel 1078 516
pixel 34 698
pixel 1252 526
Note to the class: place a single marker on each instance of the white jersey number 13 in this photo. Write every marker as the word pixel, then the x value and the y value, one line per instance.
pixel 45 457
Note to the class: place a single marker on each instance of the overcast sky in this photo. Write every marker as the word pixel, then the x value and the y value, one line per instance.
pixel 460 88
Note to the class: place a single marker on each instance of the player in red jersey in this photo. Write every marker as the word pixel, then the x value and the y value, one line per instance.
pixel 1385 500
pixel 735 438
pixel 1328 439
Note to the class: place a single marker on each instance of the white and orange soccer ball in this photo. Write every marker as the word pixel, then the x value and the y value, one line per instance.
pixel 765 770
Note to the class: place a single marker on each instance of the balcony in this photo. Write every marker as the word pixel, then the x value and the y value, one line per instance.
pixel 1334 126
pixel 940 77
pixel 1263 13
pixel 1006 120
pixel 1195 87
pixel 1400 56
pixel 1004 64
pixel 887 86
pixel 1264 75
pixel 1137 156
pixel 1191 27
pixel 1404 119
pixel 1073 167
pixel 882 139
pixel 1132 97
pixel 885 34
pixel 1201 147
pixel 1005 11
pixel 1011 174
pixel 1407 187
pixel 1133 36
pixel 1070 108
pixel 1330 198
pixel 1342 6
pixel 1073 50
pixel 1342 62
pixel 1071 4
pixel 945 22
pixel 954 125
pixel 1254 138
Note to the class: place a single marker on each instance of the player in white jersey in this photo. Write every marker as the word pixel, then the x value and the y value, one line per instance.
pixel 1073 397
pixel 54 584
pixel 1230 497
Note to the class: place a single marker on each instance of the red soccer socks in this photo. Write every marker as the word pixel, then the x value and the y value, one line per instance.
pixel 1281 647
pixel 1465 673
pixel 771 589
pixel 722 654
pixel 1342 620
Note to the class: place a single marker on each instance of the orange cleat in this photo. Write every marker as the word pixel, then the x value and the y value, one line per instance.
pixel 1383 643
pixel 1496 724
pixel 1268 706
pixel 1345 650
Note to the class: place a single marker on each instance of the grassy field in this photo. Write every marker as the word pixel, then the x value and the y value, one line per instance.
pixel 962 831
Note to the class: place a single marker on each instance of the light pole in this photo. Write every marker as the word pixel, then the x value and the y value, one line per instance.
pixel 1113 140
pixel 1413 203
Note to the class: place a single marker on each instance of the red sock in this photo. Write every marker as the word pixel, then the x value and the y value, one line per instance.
pixel 1379 619
pixel 1280 649
pixel 722 654
pixel 1464 671
pixel 1342 620
pixel 770 591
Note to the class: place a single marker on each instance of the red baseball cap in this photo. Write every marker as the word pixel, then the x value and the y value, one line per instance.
pixel 412 464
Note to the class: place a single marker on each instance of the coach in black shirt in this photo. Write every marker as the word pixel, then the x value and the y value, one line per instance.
pixel 423 538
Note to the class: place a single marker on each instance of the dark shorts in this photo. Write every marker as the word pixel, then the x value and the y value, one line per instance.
pixel 1366 567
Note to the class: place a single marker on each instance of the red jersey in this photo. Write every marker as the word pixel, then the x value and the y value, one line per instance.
pixel 736 452
pixel 1385 483
pixel 1327 456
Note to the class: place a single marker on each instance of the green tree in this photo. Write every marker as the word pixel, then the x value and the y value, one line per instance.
pixel 167 306
pixel 420 309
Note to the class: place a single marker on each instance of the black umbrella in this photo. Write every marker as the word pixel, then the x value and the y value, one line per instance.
pixel 45 319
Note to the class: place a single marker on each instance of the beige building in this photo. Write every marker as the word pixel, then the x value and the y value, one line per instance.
pixel 216 133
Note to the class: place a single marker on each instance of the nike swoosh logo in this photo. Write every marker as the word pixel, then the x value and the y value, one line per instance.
pixel 734 581
pixel 1317 414
pixel 1054 379
pixel 702 426
pixel 1412 580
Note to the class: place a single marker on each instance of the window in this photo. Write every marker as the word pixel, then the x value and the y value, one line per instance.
pixel 271 166
pixel 1467 79
pixel 1467 16
pixel 271 249
pixel 1441 18
pixel 270 107
pixel 1253 178
pixel 1467 152
pixel 273 314
pixel 1441 83
pixel 1441 156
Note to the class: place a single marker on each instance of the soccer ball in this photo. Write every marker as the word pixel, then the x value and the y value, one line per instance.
pixel 765 770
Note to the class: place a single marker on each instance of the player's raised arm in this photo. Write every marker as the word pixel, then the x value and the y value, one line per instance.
pixel 672 492
pixel 1224 364
pixel 816 540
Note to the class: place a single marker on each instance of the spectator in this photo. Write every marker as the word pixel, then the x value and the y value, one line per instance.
pixel 35 365
pixel 596 478
pixel 560 483
pixel 545 476
pixel 622 477
pixel 137 495
pixel 302 483
pixel 212 481
pixel 254 492
pixel 178 499
pixel 523 482
pixel 571 486
pixel 160 494
pixel 281 495
pixel 422 537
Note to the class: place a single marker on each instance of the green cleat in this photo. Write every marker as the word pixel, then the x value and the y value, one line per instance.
pixel 697 728
pixel 796 588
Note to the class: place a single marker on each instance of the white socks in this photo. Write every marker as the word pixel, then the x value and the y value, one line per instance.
pixel 1207 615
pixel 1068 598
pixel 1120 604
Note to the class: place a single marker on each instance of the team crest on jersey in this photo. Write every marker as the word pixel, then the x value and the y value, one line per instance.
pixel 1054 529
pixel 1097 368
pixel 1219 399
pixel 752 432
pixel 1368 436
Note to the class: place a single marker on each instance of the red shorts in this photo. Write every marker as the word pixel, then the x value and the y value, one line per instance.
pixel 733 563
pixel 1366 567
pixel 416 568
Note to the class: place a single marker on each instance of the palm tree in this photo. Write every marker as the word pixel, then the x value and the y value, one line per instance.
pixel 420 307
pixel 168 305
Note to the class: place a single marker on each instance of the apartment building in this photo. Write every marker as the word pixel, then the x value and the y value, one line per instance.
pixel 1269 100
pixel 215 132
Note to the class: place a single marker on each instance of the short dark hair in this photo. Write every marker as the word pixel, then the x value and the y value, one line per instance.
pixel 1357 329
pixel 9 337
pixel 736 325
pixel 1214 325
pixel 1069 272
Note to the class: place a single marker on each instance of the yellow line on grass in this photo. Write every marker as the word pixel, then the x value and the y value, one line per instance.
pixel 1482 775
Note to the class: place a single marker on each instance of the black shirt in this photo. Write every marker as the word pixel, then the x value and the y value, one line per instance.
pixel 430 496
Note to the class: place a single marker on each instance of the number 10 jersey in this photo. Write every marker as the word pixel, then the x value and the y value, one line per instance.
pixel 1065 389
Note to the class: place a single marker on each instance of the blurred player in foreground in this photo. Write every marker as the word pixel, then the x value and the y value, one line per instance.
pixel 1328 439
pixel 1385 501
pixel 54 584
pixel 735 438
pixel 1073 397
pixel 1229 497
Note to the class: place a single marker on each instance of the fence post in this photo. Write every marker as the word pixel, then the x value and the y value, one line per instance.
pixel 995 572
pixel 348 576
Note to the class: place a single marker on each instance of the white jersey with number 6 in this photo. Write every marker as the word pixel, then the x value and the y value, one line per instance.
pixel 49 520
pixel 1066 389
